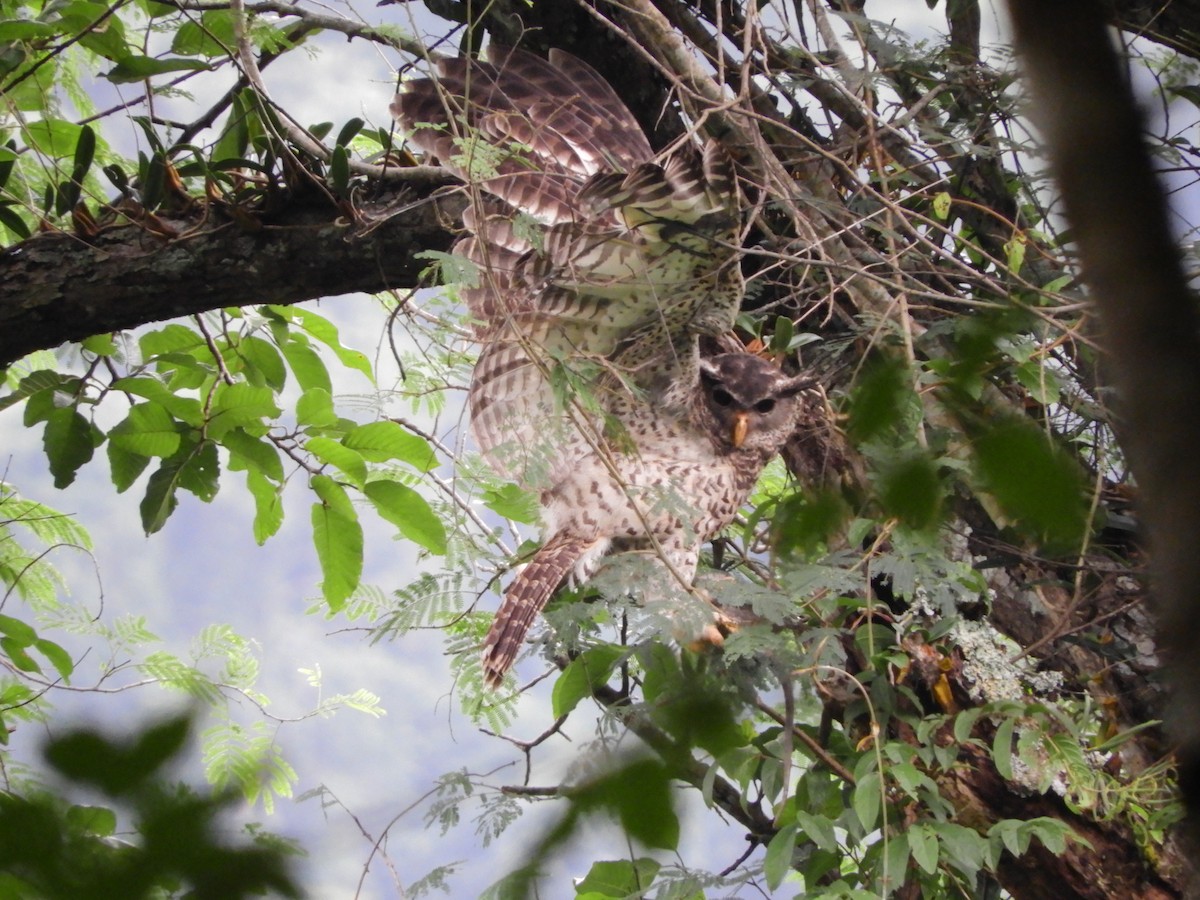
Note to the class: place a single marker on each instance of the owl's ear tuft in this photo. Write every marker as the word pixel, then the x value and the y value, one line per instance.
pixel 790 387
pixel 710 373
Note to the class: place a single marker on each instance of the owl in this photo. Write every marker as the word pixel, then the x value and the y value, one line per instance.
pixel 595 271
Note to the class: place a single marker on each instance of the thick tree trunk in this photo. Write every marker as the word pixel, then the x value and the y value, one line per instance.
pixel 1148 314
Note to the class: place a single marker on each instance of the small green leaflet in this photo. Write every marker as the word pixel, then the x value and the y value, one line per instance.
pixel 588 670
pixel 924 846
pixel 18 636
pixel 778 861
pixel 54 137
pixel 306 365
pixel 148 430
pixel 511 502
pixel 618 878
pixel 407 510
pixel 186 409
pixel 249 452
pixel 941 205
pixel 238 405
pixel 338 537
pixel 382 441
pixel 69 441
pixel 326 332
pixel 268 505
pixel 139 68
pixel 335 453
pixel 315 408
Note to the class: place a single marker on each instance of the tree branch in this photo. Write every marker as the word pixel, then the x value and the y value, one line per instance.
pixel 56 287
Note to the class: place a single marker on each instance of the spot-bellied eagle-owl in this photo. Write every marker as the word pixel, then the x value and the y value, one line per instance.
pixel 599 268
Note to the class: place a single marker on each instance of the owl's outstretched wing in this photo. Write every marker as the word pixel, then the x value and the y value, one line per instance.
pixel 596 264
pixel 599 268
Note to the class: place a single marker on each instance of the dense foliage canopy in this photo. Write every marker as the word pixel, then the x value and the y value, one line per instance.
pixel 946 683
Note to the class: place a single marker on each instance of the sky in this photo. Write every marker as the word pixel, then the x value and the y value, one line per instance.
pixel 204 568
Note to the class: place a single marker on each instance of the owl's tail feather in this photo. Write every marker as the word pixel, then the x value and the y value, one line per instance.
pixel 525 598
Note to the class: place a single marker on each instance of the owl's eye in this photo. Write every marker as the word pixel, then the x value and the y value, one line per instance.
pixel 721 397
pixel 765 406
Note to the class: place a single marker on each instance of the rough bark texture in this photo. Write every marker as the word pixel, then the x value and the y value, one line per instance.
pixel 59 287
pixel 981 797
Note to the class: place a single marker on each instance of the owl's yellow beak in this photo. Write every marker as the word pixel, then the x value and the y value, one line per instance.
pixel 741 427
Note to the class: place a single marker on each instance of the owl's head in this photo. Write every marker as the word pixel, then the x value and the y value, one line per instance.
pixel 747 403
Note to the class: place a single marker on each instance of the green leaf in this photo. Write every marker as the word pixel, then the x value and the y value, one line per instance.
pixel 1014 251
pixel 778 861
pixel 965 847
pixel 117 766
pixel 200 470
pixel 42 381
pixel 924 846
pixel 235 139
pixel 339 171
pixel 338 538
pixel 315 408
pixel 11 220
pixel 1035 481
pixel 306 365
pixel 1012 835
pixel 268 505
pixel 807 520
pixel 618 878
pixel 407 510
pixel 964 722
pixel 941 205
pixel 186 409
pixel 381 441
pixel 100 344
pixel 58 657
pixel 325 332
pixel 512 502
pixel 818 829
pixel 21 633
pixel 53 137
pixel 172 338
pixel 1053 833
pixel 349 130
pixel 69 441
pixel 125 467
pixel 880 398
pixel 148 430
pixel 587 671
pixel 867 800
pixel 1002 747
pixel 639 794
pixel 139 68
pixel 17 655
pixel 211 36
pixel 94 820
pixel 911 491
pixel 195 468
pixel 896 858
pixel 350 462
pixel 249 452
pixel 12 30
pixel 264 364
pixel 159 501
pixel 239 405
